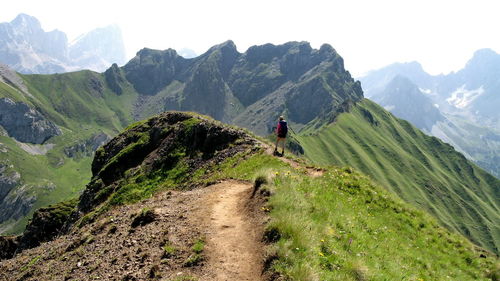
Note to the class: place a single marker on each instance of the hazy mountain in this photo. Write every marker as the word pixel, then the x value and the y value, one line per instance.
pixel 27 48
pixel 472 92
pixel 376 81
pixel 98 49
pixel 406 101
pixel 468 100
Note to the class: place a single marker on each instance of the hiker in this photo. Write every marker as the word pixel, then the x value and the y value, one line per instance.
pixel 281 132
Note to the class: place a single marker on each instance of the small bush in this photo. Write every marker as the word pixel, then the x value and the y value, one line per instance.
pixel 258 182
pixel 193 260
pixel 169 250
pixel 198 246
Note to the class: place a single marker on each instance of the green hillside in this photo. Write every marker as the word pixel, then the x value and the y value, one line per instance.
pixel 420 169
pixel 333 225
pixel 81 100
pixel 82 106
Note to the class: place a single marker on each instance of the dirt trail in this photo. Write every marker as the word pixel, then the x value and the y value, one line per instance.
pixel 312 171
pixel 233 234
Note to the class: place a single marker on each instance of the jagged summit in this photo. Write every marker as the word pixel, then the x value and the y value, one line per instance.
pixel 227 85
pixel 26 21
pixel 227 45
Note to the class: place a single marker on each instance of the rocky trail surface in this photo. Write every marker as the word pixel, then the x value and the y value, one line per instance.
pixel 233 232
pixel 155 240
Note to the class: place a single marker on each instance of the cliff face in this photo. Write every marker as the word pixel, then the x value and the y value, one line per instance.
pixel 8 180
pixel 25 124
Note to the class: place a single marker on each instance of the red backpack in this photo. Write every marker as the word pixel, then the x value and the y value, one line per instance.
pixel 282 129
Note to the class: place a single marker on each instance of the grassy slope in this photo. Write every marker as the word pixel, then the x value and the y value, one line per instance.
pixel 420 169
pixel 341 226
pixel 66 100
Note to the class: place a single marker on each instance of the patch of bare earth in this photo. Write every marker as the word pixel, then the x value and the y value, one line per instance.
pixel 161 248
pixel 233 230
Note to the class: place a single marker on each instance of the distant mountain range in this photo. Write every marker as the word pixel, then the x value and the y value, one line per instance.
pixel 460 108
pixel 27 48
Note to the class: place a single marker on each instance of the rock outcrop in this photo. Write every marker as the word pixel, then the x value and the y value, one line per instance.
pixel 25 124
pixel 8 246
pixel 8 180
pixel 159 144
pixel 86 147
pixel 10 77
pixel 169 147
pixel 17 203
pixel 114 78
pixel 46 224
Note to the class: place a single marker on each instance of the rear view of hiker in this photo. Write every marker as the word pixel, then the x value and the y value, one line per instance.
pixel 281 131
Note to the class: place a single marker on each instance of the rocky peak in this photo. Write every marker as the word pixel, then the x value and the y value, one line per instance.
pixel 484 54
pixel 114 78
pixel 26 22
pixel 402 84
pixel 484 61
pixel 151 70
pixel 227 46
pixel 226 55
pixel 327 51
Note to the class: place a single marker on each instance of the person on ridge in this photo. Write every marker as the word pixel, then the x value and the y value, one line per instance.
pixel 281 131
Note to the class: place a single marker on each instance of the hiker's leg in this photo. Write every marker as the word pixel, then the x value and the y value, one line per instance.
pixel 276 146
pixel 283 140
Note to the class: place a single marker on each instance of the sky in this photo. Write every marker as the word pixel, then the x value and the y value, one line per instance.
pixel 440 34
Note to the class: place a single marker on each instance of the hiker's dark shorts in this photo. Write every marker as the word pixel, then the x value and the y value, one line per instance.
pixel 281 136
